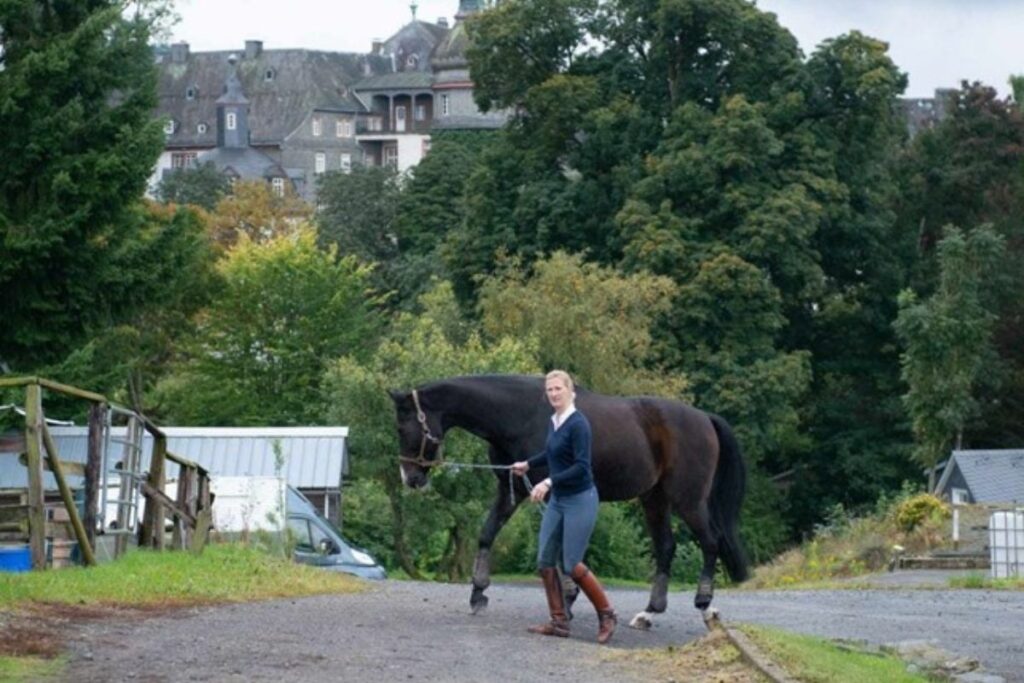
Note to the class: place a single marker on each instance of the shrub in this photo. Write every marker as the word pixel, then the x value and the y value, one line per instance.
pixel 913 511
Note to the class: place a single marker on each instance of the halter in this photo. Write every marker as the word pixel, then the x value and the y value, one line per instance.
pixel 425 436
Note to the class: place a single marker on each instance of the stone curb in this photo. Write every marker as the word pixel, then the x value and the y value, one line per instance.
pixel 753 656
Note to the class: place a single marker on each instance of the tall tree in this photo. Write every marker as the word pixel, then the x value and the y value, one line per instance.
pixel 202 186
pixel 77 92
pixel 948 341
pixel 285 310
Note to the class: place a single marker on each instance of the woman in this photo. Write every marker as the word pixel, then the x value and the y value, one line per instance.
pixel 572 511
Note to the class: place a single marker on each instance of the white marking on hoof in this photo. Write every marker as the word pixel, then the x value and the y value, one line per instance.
pixel 642 621
pixel 711 618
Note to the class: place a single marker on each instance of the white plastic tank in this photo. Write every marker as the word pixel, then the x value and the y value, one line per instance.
pixel 1006 543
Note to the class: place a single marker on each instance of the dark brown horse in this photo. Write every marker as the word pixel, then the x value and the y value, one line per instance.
pixel 673 457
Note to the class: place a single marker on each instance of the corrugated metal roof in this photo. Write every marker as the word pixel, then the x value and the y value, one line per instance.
pixel 994 476
pixel 313 457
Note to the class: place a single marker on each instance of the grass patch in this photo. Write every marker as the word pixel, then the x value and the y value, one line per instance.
pixel 983 581
pixel 30 668
pixel 711 659
pixel 821 661
pixel 222 573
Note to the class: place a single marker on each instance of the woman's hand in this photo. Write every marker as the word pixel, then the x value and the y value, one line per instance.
pixel 520 468
pixel 540 491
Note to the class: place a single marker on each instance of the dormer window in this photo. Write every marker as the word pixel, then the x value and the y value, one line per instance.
pixel 318 127
pixel 169 127
pixel 201 128
pixel 190 92
pixel 231 120
pixel 269 75
pixel 413 61
pixel 278 185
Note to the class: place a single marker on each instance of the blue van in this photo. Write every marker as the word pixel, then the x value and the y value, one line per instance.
pixel 320 544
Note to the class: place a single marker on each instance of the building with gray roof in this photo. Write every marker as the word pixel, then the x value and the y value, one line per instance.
pixel 983 476
pixel 310 112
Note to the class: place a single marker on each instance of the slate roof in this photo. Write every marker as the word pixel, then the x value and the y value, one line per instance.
pixel 302 81
pixel 451 53
pixel 245 161
pixel 401 80
pixel 994 476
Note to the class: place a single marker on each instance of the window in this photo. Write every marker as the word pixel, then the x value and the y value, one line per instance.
pixel 269 74
pixel 298 528
pixel 343 128
pixel 201 128
pixel 421 112
pixel 413 61
pixel 445 109
pixel 183 159
pixel 231 120
pixel 321 162
pixel 391 156
pixel 425 147
pixel 959 497
pixel 169 127
pixel 278 185
pixel 374 123
pixel 190 93
pixel 318 127
pixel 346 162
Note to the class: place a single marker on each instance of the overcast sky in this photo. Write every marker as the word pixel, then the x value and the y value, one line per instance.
pixel 937 42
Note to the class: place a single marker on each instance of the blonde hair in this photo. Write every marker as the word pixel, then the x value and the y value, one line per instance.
pixel 562 375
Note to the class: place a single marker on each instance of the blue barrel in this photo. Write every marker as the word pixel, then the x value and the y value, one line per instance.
pixel 15 558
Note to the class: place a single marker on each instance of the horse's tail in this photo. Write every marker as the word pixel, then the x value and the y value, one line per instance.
pixel 726 499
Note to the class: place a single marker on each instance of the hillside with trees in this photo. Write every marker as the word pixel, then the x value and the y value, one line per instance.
pixel 682 204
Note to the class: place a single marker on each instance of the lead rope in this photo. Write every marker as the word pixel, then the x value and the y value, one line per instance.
pixel 511 481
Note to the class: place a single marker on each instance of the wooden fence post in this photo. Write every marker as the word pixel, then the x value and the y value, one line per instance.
pixel 93 463
pixel 34 462
pixel 153 520
pixel 69 499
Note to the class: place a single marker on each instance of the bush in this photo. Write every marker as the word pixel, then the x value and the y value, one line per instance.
pixel 913 511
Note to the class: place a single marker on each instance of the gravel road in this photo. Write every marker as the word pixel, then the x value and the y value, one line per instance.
pixel 404 631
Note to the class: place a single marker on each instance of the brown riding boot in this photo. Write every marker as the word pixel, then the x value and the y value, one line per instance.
pixel 589 584
pixel 559 624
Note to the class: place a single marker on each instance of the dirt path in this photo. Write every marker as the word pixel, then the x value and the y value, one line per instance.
pixel 403 631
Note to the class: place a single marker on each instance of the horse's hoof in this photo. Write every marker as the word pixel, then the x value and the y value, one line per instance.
pixel 479 605
pixel 641 622
pixel 711 618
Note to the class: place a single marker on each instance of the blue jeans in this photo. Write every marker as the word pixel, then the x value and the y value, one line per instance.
pixel 566 528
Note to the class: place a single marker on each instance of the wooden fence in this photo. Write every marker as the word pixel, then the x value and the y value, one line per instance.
pixel 190 511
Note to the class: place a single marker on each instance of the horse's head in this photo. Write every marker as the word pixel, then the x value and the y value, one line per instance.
pixel 419 437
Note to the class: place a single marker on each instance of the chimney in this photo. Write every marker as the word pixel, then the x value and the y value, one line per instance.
pixel 377 47
pixel 442 22
pixel 253 49
pixel 179 53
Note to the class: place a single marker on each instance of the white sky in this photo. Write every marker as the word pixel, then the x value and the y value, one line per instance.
pixel 937 42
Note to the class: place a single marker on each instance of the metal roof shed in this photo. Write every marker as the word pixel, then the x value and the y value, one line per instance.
pixel 312 459
pixel 984 476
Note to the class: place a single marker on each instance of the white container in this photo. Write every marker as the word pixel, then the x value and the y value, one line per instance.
pixel 243 504
pixel 1006 543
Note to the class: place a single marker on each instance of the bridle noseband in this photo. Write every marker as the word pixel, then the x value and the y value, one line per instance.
pixel 425 436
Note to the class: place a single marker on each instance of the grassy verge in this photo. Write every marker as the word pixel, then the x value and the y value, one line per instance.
pixel 982 581
pixel 821 661
pixel 29 668
pixel 223 573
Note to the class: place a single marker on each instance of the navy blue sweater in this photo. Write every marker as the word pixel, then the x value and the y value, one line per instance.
pixel 568 456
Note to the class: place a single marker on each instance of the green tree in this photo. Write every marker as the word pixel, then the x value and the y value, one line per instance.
pixel 202 185
pixel 431 531
pixel 358 211
pixel 77 92
pixel 285 309
pixel 589 320
pixel 948 343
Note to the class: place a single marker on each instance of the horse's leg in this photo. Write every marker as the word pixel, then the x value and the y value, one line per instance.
pixel 699 521
pixel 499 514
pixel 659 523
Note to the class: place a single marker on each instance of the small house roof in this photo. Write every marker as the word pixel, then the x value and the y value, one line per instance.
pixel 993 476
pixel 311 457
